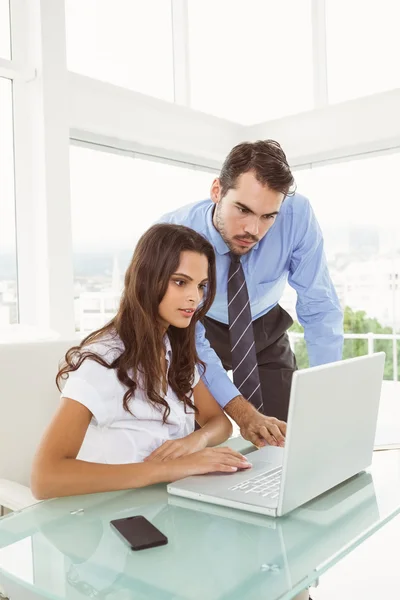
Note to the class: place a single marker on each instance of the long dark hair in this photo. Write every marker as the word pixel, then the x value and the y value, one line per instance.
pixel 155 259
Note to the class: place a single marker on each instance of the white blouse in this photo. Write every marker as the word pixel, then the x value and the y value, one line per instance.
pixel 115 436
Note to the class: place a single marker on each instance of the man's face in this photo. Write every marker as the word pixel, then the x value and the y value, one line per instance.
pixel 245 214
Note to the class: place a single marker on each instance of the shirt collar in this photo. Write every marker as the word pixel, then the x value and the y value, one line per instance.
pixel 215 237
pixel 168 349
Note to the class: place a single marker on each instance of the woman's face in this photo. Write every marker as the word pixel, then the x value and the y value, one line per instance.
pixel 185 290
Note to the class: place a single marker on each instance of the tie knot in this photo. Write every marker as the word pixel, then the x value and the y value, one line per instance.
pixel 235 258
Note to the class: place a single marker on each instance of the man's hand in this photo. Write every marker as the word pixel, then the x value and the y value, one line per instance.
pixel 254 426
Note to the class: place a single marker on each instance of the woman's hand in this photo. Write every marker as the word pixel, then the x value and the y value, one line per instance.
pixel 209 460
pixel 175 448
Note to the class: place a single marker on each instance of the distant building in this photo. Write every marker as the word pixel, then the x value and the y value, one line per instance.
pixel 116 284
pixel 8 302
pixel 95 309
pixel 374 287
pixel 364 241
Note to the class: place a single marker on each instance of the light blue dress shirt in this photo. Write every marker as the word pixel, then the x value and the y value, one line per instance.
pixel 291 251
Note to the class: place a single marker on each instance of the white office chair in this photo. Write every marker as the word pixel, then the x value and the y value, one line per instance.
pixel 28 399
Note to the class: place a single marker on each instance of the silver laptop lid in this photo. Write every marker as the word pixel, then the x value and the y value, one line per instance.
pixel 331 427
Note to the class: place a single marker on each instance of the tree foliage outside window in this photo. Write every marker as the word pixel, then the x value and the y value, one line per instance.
pixel 354 322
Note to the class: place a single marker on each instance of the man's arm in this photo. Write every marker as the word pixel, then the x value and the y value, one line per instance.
pixel 255 427
pixel 317 307
pixel 215 377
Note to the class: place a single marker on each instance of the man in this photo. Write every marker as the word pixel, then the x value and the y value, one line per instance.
pixel 263 235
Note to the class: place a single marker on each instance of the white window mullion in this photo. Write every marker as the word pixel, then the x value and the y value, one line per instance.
pixel 41 140
pixel 320 78
pixel 180 41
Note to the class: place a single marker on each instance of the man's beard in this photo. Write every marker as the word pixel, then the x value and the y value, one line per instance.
pixel 221 230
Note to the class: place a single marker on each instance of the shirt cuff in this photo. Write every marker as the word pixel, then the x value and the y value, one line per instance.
pixel 222 389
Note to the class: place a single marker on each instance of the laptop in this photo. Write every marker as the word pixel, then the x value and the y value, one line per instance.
pixel 330 436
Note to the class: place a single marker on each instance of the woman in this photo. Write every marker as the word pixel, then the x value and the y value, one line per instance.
pixel 133 388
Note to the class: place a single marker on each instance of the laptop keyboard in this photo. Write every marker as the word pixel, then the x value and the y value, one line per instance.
pixel 264 484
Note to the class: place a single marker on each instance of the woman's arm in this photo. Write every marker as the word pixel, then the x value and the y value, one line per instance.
pixel 57 472
pixel 215 425
pixel 215 428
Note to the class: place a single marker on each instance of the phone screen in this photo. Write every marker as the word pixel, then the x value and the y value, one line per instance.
pixel 139 532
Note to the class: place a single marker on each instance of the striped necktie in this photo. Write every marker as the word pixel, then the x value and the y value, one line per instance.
pixel 244 358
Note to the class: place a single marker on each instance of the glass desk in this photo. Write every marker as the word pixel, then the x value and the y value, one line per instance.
pixel 65 548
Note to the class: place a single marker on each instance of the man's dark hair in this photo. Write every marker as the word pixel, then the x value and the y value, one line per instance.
pixel 265 158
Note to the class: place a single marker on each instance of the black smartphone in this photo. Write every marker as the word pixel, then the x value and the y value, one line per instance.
pixel 139 532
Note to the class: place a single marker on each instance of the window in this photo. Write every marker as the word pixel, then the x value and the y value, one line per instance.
pixel 115 198
pixel 5 44
pixel 357 205
pixel 8 254
pixel 363 47
pixel 250 61
pixel 124 42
